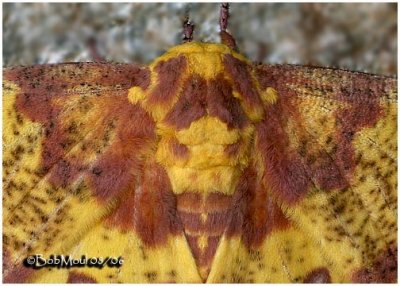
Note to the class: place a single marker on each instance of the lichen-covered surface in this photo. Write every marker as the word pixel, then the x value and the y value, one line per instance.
pixel 201 167
pixel 353 36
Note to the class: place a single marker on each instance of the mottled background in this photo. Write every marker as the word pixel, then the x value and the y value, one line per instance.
pixel 351 36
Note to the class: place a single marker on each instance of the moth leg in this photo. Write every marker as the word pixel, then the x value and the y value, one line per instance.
pixel 226 38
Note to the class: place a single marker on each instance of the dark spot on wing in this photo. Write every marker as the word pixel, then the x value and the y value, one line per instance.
pixel 319 275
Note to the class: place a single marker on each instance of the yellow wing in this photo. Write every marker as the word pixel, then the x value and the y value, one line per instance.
pixel 327 151
pixel 80 179
pixel 77 156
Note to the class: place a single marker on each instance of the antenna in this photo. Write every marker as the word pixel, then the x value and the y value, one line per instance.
pixel 226 38
pixel 188 28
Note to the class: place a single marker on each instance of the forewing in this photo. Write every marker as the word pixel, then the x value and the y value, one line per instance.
pixel 328 149
pixel 73 146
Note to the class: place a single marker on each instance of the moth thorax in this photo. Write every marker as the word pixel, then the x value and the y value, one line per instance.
pixel 196 79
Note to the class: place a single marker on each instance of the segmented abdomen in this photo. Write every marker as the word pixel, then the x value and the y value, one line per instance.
pixel 204 218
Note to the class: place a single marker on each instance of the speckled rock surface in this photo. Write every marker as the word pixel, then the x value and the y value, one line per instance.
pixel 351 36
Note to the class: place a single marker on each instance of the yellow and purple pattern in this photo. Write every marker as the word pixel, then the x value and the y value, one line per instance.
pixel 200 167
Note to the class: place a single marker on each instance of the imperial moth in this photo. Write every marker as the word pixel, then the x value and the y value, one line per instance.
pixel 200 167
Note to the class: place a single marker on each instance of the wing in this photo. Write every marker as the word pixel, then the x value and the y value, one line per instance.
pixel 339 175
pixel 77 170
pixel 62 123
pixel 324 208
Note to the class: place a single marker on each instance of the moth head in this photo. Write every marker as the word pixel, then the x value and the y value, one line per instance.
pixel 196 80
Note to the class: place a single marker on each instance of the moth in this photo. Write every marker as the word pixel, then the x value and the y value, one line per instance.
pixel 200 167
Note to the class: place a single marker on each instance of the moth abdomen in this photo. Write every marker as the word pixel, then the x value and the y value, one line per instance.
pixel 204 219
